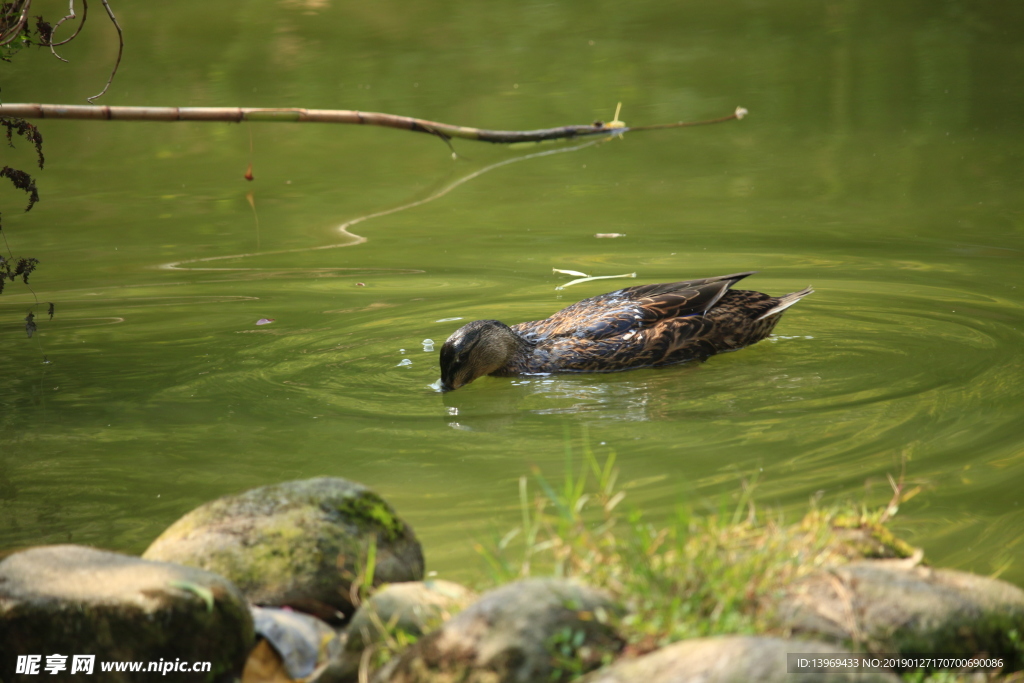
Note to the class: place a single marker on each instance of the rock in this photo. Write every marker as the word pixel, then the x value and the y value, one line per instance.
pixel 299 544
pixel 265 665
pixel 524 632
pixel 71 600
pixel 729 659
pixel 415 608
pixel 892 606
pixel 302 642
pixel 856 539
pixel 400 612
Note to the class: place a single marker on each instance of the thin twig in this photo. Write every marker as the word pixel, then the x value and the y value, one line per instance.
pixel 849 614
pixel 120 51
pixel 364 663
pixel 70 15
pixel 738 114
pixel 14 32
pixel 447 139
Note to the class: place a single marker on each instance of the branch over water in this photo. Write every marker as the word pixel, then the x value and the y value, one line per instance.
pixel 366 118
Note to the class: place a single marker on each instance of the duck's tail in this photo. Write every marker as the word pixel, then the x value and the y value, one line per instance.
pixel 785 302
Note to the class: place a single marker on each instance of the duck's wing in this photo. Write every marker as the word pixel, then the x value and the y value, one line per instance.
pixel 681 299
pixel 632 308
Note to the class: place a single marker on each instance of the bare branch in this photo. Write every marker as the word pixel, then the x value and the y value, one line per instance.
pixel 366 118
pixel 120 51
pixel 738 114
pixel 70 15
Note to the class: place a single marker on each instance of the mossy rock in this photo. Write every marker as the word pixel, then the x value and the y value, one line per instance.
pixel 524 632
pixel 858 539
pixel 72 600
pixel 299 544
pixel 729 659
pixel 894 606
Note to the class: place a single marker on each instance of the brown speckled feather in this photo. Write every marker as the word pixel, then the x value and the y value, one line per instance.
pixel 648 326
pixel 631 309
pixel 637 327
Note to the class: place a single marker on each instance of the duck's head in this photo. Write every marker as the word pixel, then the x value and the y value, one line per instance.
pixel 474 350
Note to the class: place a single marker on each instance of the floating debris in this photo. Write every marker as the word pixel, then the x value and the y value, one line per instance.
pixel 264 321
pixel 428 345
pixel 609 235
pixel 405 361
pixel 569 272
pixel 447 320
pixel 583 277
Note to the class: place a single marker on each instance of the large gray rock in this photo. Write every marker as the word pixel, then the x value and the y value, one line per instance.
pixel 300 543
pixel 72 600
pixel 524 632
pixel 894 606
pixel 729 659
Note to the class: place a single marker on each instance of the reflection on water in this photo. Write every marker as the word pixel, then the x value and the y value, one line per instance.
pixel 351 239
pixel 633 400
pixel 880 164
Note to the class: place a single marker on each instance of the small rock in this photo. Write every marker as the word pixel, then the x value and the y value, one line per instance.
pixel 414 607
pixel 302 642
pixel 300 544
pixel 265 665
pixel 892 606
pixel 401 611
pixel 729 659
pixel 72 600
pixel 524 632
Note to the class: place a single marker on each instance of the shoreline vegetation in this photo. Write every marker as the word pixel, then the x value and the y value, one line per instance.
pixel 693 575
pixel 583 588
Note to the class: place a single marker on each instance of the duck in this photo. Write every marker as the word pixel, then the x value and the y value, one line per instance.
pixel 646 326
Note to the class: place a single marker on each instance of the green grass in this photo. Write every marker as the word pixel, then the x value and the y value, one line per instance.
pixel 690 576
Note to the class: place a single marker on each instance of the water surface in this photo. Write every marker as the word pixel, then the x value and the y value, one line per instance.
pixel 881 163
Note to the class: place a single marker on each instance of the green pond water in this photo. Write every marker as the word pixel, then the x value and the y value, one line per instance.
pixel 882 163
